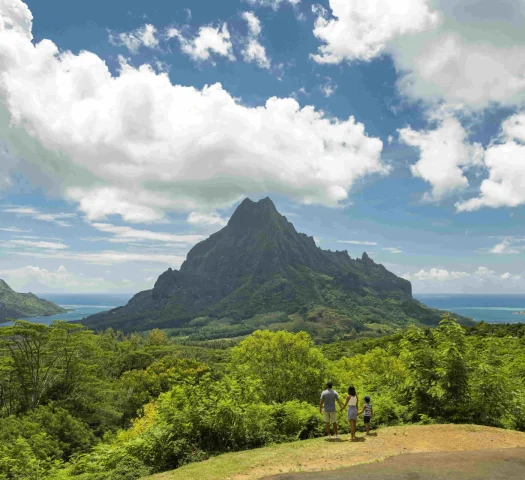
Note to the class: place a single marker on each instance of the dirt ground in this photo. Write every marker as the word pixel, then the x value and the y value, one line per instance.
pixel 504 464
pixel 391 442
pixel 322 455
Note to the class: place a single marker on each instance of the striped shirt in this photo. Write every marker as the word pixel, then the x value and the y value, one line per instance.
pixel 368 409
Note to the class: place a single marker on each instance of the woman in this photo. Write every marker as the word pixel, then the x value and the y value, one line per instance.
pixel 353 404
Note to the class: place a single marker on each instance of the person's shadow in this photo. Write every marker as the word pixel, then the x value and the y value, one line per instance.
pixel 338 440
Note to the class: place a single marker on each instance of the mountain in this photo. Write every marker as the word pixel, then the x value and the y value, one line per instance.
pixel 15 305
pixel 258 271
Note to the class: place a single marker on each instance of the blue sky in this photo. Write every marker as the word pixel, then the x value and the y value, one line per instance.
pixel 129 131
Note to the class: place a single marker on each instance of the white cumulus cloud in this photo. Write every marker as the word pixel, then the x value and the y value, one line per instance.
pixel 504 161
pixel 137 146
pixel 443 49
pixel 480 280
pixel 253 51
pixel 209 40
pixel 439 274
pixel 362 29
pixel 445 52
pixel 445 153
pixel 505 247
pixel 143 36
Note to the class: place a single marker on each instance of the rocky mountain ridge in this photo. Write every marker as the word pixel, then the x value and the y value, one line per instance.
pixel 259 263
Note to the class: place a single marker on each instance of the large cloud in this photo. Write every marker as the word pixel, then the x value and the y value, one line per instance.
pixel 504 161
pixel 443 49
pixel 468 55
pixel 444 155
pixel 361 29
pixel 137 145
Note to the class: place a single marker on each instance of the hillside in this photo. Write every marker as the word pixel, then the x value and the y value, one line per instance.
pixel 258 272
pixel 19 305
pixel 320 455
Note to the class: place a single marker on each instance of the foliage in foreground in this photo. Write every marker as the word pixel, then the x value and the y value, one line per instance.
pixel 108 406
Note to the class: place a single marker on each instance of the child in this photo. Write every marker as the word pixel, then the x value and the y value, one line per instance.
pixel 369 412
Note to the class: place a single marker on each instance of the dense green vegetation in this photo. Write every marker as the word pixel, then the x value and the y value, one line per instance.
pixel 352 316
pixel 75 404
pixel 18 305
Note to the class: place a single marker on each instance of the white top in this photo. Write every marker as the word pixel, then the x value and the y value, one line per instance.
pixel 353 401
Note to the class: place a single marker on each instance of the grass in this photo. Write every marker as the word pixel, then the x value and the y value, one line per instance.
pixel 321 454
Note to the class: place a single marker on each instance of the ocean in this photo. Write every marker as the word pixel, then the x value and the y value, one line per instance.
pixel 80 305
pixel 489 308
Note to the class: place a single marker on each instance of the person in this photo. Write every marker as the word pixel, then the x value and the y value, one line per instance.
pixel 369 413
pixel 353 404
pixel 328 399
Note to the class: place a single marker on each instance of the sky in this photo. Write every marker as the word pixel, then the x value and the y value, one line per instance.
pixel 130 131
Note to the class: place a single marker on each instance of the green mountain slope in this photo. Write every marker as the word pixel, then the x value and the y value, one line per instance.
pixel 18 305
pixel 258 271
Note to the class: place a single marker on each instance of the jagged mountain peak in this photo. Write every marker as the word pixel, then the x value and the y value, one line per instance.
pixel 257 263
pixel 259 243
pixel 366 258
pixel 250 214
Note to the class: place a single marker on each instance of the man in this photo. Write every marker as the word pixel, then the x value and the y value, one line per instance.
pixel 328 399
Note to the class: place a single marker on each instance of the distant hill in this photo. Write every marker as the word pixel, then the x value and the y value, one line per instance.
pixel 258 272
pixel 15 305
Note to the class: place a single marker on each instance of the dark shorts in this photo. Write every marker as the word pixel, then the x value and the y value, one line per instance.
pixel 366 419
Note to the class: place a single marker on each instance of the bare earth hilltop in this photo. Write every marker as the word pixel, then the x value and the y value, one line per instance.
pixel 472 446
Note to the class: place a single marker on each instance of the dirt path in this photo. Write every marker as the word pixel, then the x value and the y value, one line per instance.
pixel 505 464
pixel 322 455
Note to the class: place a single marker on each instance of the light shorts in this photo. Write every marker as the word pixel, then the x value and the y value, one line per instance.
pixel 330 417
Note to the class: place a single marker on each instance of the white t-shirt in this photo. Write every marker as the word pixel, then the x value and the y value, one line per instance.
pixel 353 401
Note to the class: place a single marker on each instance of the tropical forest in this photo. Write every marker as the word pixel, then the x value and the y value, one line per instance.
pixel 109 405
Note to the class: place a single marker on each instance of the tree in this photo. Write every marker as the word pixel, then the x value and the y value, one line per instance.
pixel 452 386
pixel 288 365
pixel 30 351
pixel 418 355
pixel 157 338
